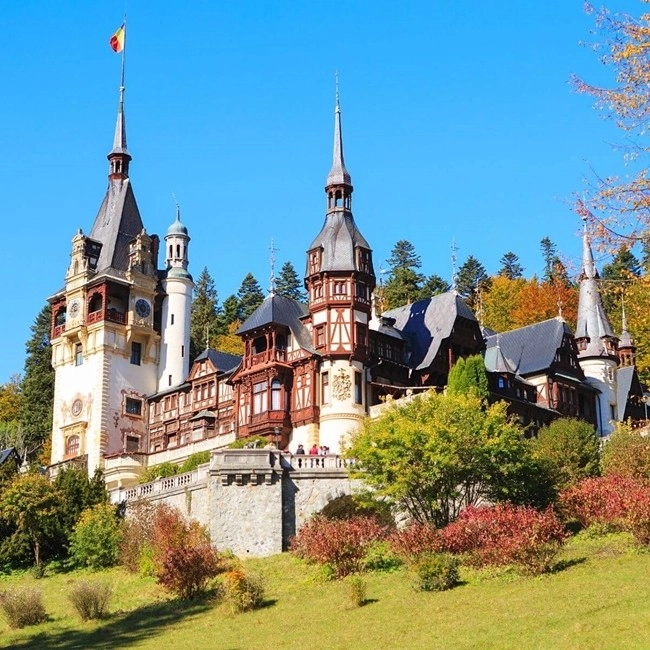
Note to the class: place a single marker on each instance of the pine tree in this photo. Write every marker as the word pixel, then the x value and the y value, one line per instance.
pixel 37 386
pixel 404 283
pixel 204 312
pixel 433 286
pixel 288 283
pixel 549 252
pixel 250 297
pixel 510 267
pixel 622 270
pixel 472 279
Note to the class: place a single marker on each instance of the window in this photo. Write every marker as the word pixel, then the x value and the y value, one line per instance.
pixel 170 379
pixel 182 350
pixel 136 353
pixel 131 444
pixel 320 336
pixel 276 394
pixel 361 334
pixel 259 397
pixel 339 289
pixel 325 388
pixel 72 446
pixel 358 397
pixel 171 319
pixel 133 406
pixel 78 355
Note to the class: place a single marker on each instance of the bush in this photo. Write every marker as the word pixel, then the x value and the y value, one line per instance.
pixel 349 507
pixel 342 544
pixel 436 572
pixel 243 591
pixel 95 541
pixel 183 558
pixel 357 590
pixel 249 441
pixel 381 557
pixel 416 540
pixel 598 501
pixel 627 454
pixel 90 599
pixel 194 460
pixel 23 606
pixel 163 470
pixel 507 534
pixel 136 546
pixel 637 513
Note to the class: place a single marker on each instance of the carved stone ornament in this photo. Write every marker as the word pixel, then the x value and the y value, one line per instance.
pixel 77 407
pixel 342 385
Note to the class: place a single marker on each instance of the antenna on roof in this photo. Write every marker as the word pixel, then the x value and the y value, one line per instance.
pixel 273 250
pixel 207 337
pixel 178 207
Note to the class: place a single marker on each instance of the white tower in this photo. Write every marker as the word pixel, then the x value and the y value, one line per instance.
pixel 597 344
pixel 177 287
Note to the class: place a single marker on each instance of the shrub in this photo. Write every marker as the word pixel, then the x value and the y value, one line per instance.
pixel 340 543
pixel 136 542
pixel 637 513
pixel 350 506
pixel 183 558
pixel 507 534
pixel 248 441
pixel 381 557
pixel 95 541
pixel 598 501
pixel 627 454
pixel 163 470
pixel 357 590
pixel 194 460
pixel 23 606
pixel 90 599
pixel 243 591
pixel 436 572
pixel 416 540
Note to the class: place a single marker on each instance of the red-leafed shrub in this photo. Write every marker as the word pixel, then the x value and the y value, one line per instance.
pixel 415 541
pixel 183 558
pixel 599 501
pixel 507 534
pixel 341 544
pixel 637 513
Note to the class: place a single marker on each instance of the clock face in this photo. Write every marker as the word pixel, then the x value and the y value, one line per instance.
pixel 77 405
pixel 142 308
pixel 74 309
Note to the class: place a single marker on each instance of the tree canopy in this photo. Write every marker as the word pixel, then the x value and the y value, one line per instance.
pixel 288 283
pixel 204 313
pixel 437 454
pixel 250 297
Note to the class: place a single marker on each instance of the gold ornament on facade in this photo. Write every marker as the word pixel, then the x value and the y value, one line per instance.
pixel 342 385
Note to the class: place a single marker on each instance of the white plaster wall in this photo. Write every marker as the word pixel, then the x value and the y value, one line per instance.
pixel 601 374
pixel 175 339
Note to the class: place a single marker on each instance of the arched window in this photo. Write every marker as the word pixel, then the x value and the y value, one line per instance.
pixel 276 394
pixel 96 302
pixel 280 342
pixel 259 344
pixel 72 446
pixel 60 317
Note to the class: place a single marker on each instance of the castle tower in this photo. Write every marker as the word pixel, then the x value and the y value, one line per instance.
pixel 597 345
pixel 104 345
pixel 340 280
pixel 177 288
pixel 626 345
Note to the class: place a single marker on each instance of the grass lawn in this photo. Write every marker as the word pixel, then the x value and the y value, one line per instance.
pixel 599 599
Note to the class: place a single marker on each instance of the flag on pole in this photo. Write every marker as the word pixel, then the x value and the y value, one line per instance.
pixel 117 40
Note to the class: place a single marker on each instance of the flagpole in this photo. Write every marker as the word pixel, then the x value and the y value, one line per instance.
pixel 123 64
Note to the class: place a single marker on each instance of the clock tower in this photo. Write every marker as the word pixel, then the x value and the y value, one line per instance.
pixel 105 346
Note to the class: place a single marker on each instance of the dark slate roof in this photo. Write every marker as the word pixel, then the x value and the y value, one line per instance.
pixel 222 361
pixel 624 377
pixel 427 323
pixel 280 310
pixel 117 223
pixel 339 237
pixel 496 361
pixel 531 349
pixel 386 326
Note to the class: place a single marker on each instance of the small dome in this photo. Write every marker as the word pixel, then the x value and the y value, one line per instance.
pixel 177 228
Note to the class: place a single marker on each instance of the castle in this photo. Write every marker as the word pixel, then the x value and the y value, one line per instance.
pixel 126 396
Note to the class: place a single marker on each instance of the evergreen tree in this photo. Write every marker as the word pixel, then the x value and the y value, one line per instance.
pixel 404 283
pixel 204 312
pixel 623 269
pixel 250 297
pixel 472 279
pixel 468 375
pixel 37 386
pixel 288 283
pixel 510 267
pixel 549 252
pixel 433 286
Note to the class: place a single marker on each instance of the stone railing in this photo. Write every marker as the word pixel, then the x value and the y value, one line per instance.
pixel 161 485
pixel 330 462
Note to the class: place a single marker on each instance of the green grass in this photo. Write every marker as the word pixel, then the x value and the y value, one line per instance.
pixel 599 598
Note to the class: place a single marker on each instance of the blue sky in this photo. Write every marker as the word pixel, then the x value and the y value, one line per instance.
pixel 458 119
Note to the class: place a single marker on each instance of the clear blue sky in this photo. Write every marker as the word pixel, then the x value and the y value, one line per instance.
pixel 458 122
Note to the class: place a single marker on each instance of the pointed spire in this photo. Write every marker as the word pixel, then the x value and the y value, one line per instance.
pixel 119 156
pixel 594 333
pixel 338 175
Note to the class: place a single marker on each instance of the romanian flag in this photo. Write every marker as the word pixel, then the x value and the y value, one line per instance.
pixel 117 40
